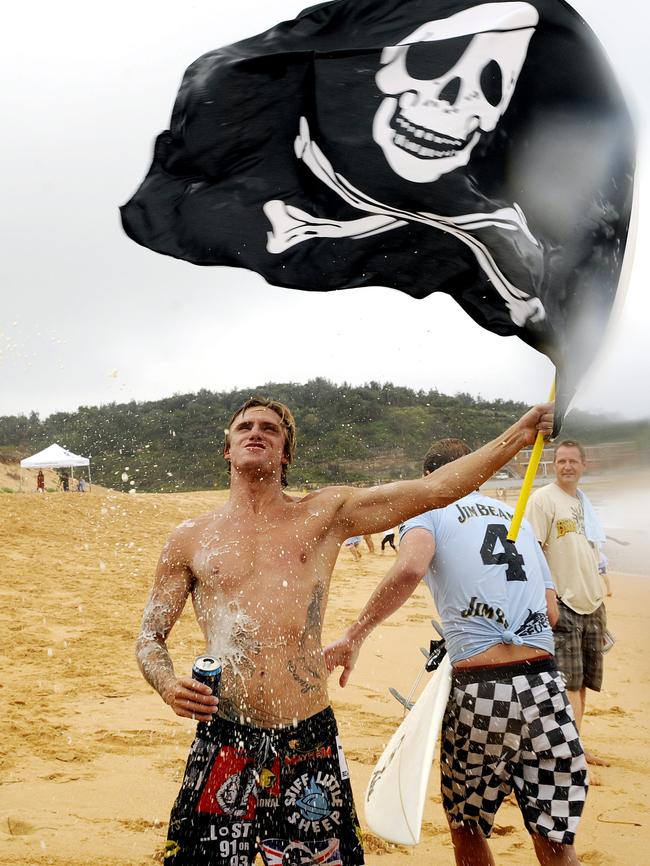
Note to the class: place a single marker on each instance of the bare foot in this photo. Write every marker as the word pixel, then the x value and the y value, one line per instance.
pixel 595 761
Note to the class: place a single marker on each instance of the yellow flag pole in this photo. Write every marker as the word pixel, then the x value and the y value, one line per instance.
pixel 529 477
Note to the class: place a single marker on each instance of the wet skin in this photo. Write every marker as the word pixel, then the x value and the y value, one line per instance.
pixel 259 585
pixel 259 569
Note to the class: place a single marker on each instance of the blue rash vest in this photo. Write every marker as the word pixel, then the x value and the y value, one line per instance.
pixel 487 590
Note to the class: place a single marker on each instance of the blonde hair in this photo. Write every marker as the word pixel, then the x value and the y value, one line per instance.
pixel 288 425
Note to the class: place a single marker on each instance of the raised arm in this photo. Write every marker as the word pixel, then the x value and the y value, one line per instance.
pixel 370 510
pixel 172 585
pixel 415 553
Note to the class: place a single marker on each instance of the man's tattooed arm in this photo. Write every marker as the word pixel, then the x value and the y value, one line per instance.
pixel 172 585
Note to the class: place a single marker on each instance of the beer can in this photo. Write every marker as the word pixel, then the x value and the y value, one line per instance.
pixel 207 669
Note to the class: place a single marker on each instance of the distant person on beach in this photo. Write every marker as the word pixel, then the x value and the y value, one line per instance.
pixel 82 486
pixel 64 482
pixel 508 725
pixel 40 482
pixel 388 538
pixel 266 768
pixel 352 544
pixel 570 534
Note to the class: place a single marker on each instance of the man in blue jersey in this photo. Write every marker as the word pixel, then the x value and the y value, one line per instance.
pixel 509 724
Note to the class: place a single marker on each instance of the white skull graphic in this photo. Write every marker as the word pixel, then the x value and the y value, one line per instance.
pixel 432 118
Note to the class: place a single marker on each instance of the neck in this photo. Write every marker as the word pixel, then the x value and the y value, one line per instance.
pixel 253 490
pixel 570 487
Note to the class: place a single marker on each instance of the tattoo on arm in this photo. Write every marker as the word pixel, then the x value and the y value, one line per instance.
pixel 154 661
pixel 151 648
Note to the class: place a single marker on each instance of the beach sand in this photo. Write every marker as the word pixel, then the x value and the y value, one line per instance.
pixel 91 758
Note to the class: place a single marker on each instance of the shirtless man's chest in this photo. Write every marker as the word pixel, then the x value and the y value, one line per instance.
pixel 260 584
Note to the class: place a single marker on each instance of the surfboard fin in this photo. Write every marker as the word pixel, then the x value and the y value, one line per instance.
pixel 403 701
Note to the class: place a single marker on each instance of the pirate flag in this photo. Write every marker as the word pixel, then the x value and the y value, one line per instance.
pixel 479 149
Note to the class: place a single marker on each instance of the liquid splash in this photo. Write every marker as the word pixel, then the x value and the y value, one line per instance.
pixel 231 634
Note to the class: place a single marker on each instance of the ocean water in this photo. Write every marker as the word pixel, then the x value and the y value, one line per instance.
pixel 624 512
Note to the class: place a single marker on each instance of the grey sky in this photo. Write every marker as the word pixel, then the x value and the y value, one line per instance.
pixel 88 317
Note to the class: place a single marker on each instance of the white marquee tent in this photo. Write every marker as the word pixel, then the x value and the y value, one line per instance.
pixel 55 457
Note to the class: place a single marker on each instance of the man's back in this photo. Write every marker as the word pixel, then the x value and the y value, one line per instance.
pixel 487 590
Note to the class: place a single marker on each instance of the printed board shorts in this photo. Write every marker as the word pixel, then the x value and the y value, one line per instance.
pixel 512 727
pixel 579 644
pixel 284 793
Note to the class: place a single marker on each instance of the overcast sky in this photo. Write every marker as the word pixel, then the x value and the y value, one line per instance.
pixel 88 317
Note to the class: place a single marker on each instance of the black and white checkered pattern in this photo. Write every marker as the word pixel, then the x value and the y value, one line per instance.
pixel 517 732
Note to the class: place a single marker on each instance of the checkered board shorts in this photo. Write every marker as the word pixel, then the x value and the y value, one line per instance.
pixel 512 727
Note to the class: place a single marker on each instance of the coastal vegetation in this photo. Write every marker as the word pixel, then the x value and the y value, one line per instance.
pixel 361 434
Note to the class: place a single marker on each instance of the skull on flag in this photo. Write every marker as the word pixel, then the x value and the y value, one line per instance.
pixel 433 113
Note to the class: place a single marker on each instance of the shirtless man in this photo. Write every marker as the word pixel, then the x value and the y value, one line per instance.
pixel 268 773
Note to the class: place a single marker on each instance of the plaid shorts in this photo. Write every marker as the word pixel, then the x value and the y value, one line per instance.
pixel 579 642
pixel 512 727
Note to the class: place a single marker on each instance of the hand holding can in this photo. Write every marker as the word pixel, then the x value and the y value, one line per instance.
pixel 207 670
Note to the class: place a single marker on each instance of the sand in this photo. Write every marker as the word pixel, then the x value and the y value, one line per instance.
pixel 91 759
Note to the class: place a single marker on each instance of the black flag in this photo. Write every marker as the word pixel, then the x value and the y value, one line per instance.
pixel 480 149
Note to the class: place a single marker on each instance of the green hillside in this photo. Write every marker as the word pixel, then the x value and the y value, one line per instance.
pixel 345 434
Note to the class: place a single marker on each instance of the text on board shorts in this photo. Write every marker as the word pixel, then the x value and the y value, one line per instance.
pixel 283 792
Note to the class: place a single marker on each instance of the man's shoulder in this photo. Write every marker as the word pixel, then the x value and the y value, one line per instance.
pixel 193 527
pixel 330 493
pixel 582 496
pixel 497 507
pixel 545 493
pixel 426 520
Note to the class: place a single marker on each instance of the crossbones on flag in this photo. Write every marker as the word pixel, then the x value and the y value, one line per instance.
pixel 480 149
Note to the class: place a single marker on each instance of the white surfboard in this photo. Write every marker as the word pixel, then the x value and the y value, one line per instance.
pixel 396 793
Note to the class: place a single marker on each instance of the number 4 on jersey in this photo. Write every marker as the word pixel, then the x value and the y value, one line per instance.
pixel 509 556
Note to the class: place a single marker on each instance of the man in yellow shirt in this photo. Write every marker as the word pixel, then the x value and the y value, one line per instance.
pixel 557 513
